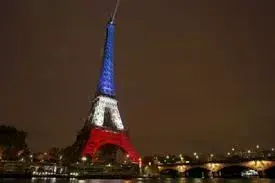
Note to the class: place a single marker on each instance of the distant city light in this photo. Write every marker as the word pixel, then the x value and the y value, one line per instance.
pixel 84 158
pixel 181 157
pixel 195 154
pixel 249 151
pixel 233 149
pixel 272 149
pixel 257 146
pixel 228 153
pixel 211 155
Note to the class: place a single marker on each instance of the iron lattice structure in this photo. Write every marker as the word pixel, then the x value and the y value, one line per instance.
pixel 104 124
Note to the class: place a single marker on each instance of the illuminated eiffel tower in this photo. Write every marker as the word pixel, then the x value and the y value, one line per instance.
pixel 104 121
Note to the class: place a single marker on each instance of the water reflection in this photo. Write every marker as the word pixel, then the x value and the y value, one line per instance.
pixel 157 180
pixel 107 181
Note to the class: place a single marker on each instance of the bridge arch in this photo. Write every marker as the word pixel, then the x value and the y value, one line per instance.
pixel 109 153
pixel 198 172
pixel 180 168
pixel 169 172
pixel 259 165
pixel 270 172
pixel 234 170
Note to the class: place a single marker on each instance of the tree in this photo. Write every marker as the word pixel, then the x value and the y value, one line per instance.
pixel 13 142
pixel 55 154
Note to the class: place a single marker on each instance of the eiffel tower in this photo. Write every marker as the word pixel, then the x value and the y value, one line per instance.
pixel 104 125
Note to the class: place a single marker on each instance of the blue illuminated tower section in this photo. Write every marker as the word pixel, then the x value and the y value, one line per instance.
pixel 106 84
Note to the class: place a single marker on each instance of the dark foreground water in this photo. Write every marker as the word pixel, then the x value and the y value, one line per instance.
pixel 167 180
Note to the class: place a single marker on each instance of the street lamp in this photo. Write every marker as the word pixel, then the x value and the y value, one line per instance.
pixel 84 158
pixel 140 165
pixel 31 157
pixel 139 162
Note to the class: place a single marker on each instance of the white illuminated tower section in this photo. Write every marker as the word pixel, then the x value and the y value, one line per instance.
pixel 101 105
pixel 104 121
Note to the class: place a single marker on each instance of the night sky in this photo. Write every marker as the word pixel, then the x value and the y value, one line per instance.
pixel 190 75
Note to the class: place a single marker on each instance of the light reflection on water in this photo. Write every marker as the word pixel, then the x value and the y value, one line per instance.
pixel 166 180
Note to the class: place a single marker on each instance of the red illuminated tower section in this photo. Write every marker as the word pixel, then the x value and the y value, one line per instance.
pixel 104 122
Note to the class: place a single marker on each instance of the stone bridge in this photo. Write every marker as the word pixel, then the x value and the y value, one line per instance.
pixel 257 165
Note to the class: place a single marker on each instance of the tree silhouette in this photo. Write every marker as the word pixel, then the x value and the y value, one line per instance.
pixel 13 142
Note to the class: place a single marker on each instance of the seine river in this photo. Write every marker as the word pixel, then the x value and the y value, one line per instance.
pixel 168 180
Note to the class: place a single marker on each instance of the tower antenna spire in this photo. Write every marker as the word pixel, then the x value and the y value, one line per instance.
pixel 115 11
